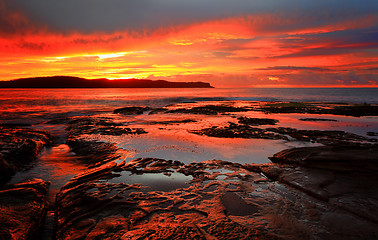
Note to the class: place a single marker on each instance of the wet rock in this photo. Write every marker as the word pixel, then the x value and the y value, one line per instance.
pixel 174 121
pixel 23 209
pixel 13 125
pixel 93 153
pixel 92 125
pixel 131 110
pixel 290 107
pixel 114 131
pixel 324 137
pixel 18 147
pixel 342 176
pixel 89 121
pixel 158 110
pixel 169 230
pixel 337 158
pixel 62 120
pixel 6 170
pixel 152 165
pixel 79 210
pixel 100 204
pixel 237 206
pixel 356 110
pixel 372 134
pixel 210 109
pixel 317 120
pixel 238 131
pixel 257 121
pixel 224 200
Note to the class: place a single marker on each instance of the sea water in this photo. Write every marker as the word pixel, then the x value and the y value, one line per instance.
pixel 35 105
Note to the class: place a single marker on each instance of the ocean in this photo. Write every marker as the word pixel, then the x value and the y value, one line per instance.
pixel 35 105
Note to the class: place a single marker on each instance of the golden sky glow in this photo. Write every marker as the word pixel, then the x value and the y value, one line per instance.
pixel 250 50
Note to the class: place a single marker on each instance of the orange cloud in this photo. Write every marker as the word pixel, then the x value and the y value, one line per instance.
pixel 245 50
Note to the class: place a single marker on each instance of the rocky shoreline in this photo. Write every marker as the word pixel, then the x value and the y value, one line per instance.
pixel 314 192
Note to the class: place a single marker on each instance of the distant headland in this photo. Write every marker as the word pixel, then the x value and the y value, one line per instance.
pixel 76 82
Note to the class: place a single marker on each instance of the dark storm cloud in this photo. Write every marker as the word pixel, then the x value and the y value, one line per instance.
pixel 144 15
pixel 330 43
pixel 329 50
pixel 12 20
pixel 341 37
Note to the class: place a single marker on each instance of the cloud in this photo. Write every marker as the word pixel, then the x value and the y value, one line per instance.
pixel 349 78
pixel 372 69
pixel 229 43
pixel 329 43
pixel 12 20
pixel 87 16
pixel 98 40
pixel 31 45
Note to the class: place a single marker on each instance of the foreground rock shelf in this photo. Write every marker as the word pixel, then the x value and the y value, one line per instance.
pixel 305 193
pixel 23 209
pixel 309 193
pixel 101 203
pixel 18 147
pixel 215 199
pixel 356 110
pixel 342 176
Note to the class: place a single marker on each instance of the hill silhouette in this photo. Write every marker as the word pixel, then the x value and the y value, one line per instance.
pixel 76 82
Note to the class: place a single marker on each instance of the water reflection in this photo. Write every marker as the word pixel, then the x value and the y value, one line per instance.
pixel 155 181
pixel 41 104
pixel 57 165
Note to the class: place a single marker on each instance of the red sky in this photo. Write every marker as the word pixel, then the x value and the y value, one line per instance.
pixel 244 44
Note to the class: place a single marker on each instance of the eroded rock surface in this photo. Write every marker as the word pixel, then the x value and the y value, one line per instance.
pixel 342 176
pixel 317 120
pixel 131 110
pixel 108 205
pixel 23 209
pixel 245 130
pixel 331 137
pixel 238 131
pixel 306 194
pixel 18 147
pixel 94 153
pixel 102 126
pixel 343 158
pixel 257 121
pixel 155 198
pixel 209 109
pixel 356 110
pixel 177 122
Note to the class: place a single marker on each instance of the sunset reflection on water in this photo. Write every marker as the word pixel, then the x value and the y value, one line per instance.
pixel 168 134
pixel 57 165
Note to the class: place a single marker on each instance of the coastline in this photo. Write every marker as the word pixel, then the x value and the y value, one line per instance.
pixel 190 156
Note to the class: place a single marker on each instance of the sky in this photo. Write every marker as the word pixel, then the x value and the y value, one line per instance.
pixel 238 43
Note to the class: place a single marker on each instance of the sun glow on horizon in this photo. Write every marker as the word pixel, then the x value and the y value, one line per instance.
pixel 251 50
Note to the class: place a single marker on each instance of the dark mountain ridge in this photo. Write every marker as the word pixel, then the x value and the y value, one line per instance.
pixel 76 82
